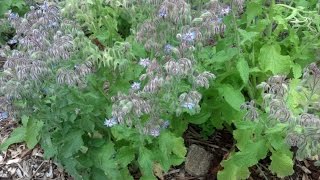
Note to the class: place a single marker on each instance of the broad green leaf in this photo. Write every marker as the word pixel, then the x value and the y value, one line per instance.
pixel 172 150
pixel 125 155
pixel 296 70
pixel 25 120
pixel 247 36
pixel 223 56
pixel 145 161
pixel 271 59
pixel 242 137
pixel 70 164
pixel 200 118
pixel 122 132
pixel 253 9
pixel 232 96
pixel 72 143
pixel 86 124
pixel 281 163
pixel 49 149
pixel 236 167
pixel 16 136
pixel 32 132
pixel 103 159
pixel 232 171
pixel 243 68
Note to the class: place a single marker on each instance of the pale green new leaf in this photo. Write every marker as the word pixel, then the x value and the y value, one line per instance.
pixel 233 172
pixel 32 132
pixel 232 96
pixel 16 136
pixel 243 68
pixel 270 59
pixel 236 167
pixel 172 150
pixel 253 9
pixel 296 70
pixel 247 36
pixel 281 163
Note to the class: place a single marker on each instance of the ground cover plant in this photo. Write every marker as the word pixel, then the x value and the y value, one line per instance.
pixel 109 87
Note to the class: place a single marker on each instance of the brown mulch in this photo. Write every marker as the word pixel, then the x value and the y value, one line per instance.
pixel 19 162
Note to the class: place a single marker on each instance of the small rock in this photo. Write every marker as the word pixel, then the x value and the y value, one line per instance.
pixel 198 161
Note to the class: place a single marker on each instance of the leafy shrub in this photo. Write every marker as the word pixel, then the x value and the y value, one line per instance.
pixel 100 113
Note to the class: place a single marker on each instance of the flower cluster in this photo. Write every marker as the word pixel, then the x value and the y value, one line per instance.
pixel 273 93
pixel 252 112
pixel 302 125
pixel 157 91
pixel 48 47
pixel 177 13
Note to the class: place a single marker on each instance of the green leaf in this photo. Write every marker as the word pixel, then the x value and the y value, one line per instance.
pixel 72 143
pixel 122 132
pixel 272 60
pixel 200 118
pixel 243 68
pixel 223 56
pixel 172 150
pixel 25 120
pixel 232 96
pixel 281 163
pixel 296 70
pixel 253 9
pixel 234 172
pixel 145 161
pixel 49 149
pixel 103 159
pixel 247 36
pixel 32 132
pixel 16 136
pixel 70 164
pixel 236 167
pixel 86 124
pixel 125 155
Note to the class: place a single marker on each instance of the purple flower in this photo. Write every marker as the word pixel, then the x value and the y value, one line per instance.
pixel 162 13
pixel 168 48
pixel 12 41
pixel 144 62
pixel 136 86
pixel 155 132
pixel 226 10
pixel 165 124
pixel 13 16
pixel 4 115
pixel 188 105
pixel 189 37
pixel 45 6
pixel 110 122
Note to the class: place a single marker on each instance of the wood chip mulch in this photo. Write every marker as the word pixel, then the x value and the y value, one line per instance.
pixel 19 162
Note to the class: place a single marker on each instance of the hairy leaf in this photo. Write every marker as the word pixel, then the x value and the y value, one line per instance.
pixel 281 163
pixel 243 68
pixel 271 59
pixel 232 96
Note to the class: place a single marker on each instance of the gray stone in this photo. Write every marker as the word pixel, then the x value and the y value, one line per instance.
pixel 198 161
